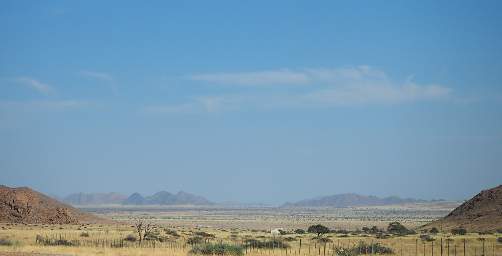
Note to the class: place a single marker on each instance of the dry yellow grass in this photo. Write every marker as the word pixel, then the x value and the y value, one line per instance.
pixel 25 236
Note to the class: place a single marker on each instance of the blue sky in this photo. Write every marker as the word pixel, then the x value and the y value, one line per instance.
pixel 253 101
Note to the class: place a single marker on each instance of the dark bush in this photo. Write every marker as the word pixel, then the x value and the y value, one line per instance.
pixel 324 240
pixel 376 248
pixel 299 231
pixel 459 231
pixel 427 238
pixel 382 235
pixel 318 229
pixel 130 238
pixel 55 241
pixel 397 228
pixel 84 234
pixel 195 240
pixel 7 242
pixel 434 230
pixel 217 249
pixel 269 244
pixel 205 234
pixel 171 232
pixel 499 240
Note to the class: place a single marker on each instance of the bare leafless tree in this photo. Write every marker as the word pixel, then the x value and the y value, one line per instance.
pixel 143 228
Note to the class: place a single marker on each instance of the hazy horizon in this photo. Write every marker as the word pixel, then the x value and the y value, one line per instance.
pixel 259 101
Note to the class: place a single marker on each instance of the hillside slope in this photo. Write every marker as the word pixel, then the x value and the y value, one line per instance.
pixel 24 205
pixel 483 212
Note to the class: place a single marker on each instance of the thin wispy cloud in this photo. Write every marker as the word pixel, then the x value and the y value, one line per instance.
pixel 97 75
pixel 37 105
pixel 105 78
pixel 35 85
pixel 268 77
pixel 328 87
pixel 206 104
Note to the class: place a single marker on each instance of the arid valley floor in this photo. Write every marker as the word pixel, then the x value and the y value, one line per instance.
pixel 242 226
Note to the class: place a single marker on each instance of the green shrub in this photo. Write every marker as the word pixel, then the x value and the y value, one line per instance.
pixel 7 242
pixel 217 249
pixel 382 235
pixel 204 234
pixel 195 240
pixel 130 238
pixel 171 232
pixel 322 239
pixel 459 231
pixel 427 238
pixel 269 244
pixel 318 229
pixel 47 241
pixel 344 252
pixel 397 228
pixel 364 248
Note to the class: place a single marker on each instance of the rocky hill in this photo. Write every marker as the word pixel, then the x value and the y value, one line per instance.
pixel 481 213
pixel 352 200
pixel 24 205
pixel 166 198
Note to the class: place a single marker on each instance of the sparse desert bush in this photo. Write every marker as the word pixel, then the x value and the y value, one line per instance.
pixel 84 234
pixel 365 248
pixel 47 241
pixel 204 234
pixel 459 231
pixel 195 240
pixel 323 240
pixel 344 252
pixel 171 232
pixel 217 249
pixel 372 230
pixel 289 239
pixel 397 228
pixel 427 238
pixel 382 235
pixel 434 230
pixel 299 231
pixel 7 242
pixel 318 229
pixel 154 235
pixel 130 238
pixel 269 244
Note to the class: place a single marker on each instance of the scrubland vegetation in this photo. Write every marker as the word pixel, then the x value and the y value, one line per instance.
pixel 320 240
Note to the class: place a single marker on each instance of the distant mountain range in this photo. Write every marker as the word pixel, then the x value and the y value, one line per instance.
pixel 352 200
pixel 166 198
pixel 94 198
pixel 184 198
pixel 159 198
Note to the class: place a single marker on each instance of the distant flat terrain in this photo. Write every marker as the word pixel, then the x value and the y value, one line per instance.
pixel 265 217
